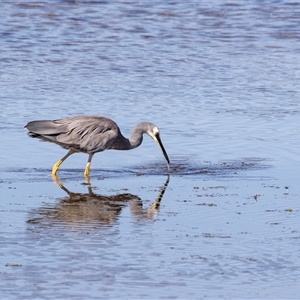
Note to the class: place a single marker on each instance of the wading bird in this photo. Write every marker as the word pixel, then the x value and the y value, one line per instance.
pixel 90 134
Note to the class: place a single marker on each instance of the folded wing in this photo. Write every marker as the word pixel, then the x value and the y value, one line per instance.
pixel 85 134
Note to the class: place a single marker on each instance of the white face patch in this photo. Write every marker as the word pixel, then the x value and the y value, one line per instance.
pixel 153 132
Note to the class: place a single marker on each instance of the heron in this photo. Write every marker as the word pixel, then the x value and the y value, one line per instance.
pixel 91 134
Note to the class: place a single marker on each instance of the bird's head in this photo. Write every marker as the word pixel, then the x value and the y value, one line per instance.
pixel 153 132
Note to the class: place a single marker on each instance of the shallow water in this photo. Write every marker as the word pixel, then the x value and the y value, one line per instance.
pixel 221 81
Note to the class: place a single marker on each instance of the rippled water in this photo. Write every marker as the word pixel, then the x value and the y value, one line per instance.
pixel 221 81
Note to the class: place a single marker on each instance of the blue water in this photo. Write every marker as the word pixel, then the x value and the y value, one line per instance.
pixel 221 81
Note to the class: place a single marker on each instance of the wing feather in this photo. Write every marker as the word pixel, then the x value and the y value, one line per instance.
pixel 84 133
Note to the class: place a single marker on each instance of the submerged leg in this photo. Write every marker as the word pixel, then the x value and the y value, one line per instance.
pixel 56 165
pixel 88 166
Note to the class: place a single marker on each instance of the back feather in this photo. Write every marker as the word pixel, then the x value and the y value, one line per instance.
pixel 84 133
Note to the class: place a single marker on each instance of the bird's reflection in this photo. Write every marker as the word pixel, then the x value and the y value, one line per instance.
pixel 93 209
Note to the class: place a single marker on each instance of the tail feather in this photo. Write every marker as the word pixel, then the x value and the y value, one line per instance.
pixel 45 128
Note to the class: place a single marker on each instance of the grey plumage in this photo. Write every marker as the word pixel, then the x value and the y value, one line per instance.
pixel 90 134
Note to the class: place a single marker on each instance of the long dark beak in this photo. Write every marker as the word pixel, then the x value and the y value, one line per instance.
pixel 158 141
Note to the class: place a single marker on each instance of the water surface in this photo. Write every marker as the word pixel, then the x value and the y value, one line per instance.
pixel 221 81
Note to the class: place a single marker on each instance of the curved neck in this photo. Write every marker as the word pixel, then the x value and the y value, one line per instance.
pixel 136 136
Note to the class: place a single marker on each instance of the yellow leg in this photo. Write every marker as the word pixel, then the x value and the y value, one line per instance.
pixel 87 169
pixel 56 165
pixel 88 166
pixel 56 180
